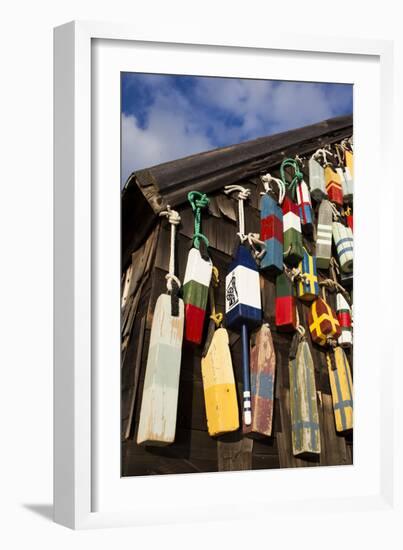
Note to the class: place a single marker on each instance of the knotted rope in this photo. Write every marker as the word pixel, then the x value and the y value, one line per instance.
pixel 267 179
pixel 297 178
pixel 215 280
pixel 243 195
pixel 335 212
pixel 324 154
pixel 174 219
pixel 258 251
pixel 173 283
pixel 197 202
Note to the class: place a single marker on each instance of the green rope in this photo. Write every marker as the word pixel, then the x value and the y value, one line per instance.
pixel 197 202
pixel 298 175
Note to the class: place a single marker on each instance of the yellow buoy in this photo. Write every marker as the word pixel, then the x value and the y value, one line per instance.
pixel 219 386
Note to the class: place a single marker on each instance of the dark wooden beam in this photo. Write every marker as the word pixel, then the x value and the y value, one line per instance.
pixel 170 182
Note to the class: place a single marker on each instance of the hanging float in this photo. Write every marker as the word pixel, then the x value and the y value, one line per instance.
pixel 317 182
pixel 271 226
pixel 262 373
pixel 344 317
pixel 303 405
pixel 299 191
pixel 307 286
pixel 286 304
pixel 343 240
pixel 220 395
pixel 157 423
pixel 341 385
pixel 324 235
pixel 197 277
pixel 243 310
pixel 323 323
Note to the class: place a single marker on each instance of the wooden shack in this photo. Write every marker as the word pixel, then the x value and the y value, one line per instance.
pixel 145 256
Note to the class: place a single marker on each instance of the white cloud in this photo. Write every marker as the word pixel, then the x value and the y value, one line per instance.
pixel 170 134
pixel 183 123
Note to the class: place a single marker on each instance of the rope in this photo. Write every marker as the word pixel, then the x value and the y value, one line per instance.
pixel 253 240
pixel 174 219
pixel 335 212
pixel 266 179
pixel 216 317
pixel 243 195
pixel 298 175
pixel 197 202
pixel 300 329
pixel 324 154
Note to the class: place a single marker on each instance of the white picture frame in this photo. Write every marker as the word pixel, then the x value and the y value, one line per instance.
pixel 88 490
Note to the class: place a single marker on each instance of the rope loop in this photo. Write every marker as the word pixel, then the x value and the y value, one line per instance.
pixel 323 153
pixel 174 219
pixel 296 179
pixel 243 195
pixel 266 179
pixel 197 202
pixel 217 318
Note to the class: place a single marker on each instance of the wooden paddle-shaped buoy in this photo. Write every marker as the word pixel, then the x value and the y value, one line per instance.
pixel 324 235
pixel 308 286
pixel 220 395
pixel 243 309
pixel 271 226
pixel 197 275
pixel 317 181
pixel 262 373
pixel 341 385
pixel 345 339
pixel 343 240
pixel 286 305
pixel 159 403
pixel 305 208
pixel 303 405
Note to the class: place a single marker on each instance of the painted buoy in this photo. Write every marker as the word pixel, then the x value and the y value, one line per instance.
pixel 243 311
pixel 324 235
pixel 271 233
pixel 343 240
pixel 220 394
pixel 323 322
pixel 317 181
pixel 286 306
pixel 262 372
pixel 303 404
pixel 195 293
pixel 293 249
pixel 344 317
pixel 333 185
pixel 341 385
pixel 308 287
pixel 305 208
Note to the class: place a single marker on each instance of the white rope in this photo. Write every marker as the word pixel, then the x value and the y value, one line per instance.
pixel 253 240
pixel 335 212
pixel 174 219
pixel 300 329
pixel 266 179
pixel 324 154
pixel 243 195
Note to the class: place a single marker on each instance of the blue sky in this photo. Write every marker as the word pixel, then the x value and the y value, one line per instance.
pixel 166 117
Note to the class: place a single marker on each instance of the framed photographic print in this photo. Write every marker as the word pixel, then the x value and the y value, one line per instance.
pixel 216 354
